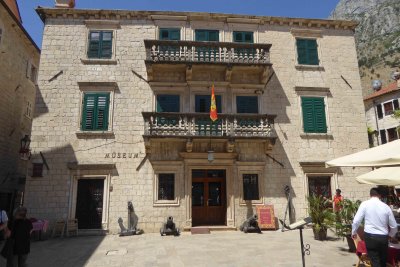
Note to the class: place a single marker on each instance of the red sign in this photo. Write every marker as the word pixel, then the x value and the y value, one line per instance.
pixel 266 217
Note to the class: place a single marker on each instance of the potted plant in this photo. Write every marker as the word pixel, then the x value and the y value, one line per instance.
pixel 344 220
pixel 320 210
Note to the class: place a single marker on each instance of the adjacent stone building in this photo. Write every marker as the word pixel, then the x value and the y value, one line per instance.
pixel 379 107
pixel 123 116
pixel 19 61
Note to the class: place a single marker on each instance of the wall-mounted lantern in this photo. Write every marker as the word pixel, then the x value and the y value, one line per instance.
pixel 24 151
pixel 210 156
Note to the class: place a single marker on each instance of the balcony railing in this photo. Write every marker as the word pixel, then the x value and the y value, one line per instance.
pixel 200 125
pixel 163 51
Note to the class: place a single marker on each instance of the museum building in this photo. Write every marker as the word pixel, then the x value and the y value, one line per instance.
pixel 123 115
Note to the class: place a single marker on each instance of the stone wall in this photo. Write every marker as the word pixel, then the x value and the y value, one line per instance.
pixel 18 95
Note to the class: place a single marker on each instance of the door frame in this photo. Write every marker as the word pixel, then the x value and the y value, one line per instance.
pixel 106 197
pixel 229 191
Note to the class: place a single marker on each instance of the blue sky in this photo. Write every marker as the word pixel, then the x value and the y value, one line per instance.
pixel 284 8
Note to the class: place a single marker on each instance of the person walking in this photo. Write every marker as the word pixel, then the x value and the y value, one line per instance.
pixel 20 229
pixel 379 227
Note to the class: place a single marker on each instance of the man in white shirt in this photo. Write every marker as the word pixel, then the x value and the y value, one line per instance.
pixel 379 226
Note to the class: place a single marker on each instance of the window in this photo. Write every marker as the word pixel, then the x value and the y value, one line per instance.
pixel 379 111
pixel 243 37
pixel 247 104
pixel 33 75
pixel 388 108
pixel 170 34
pixel 37 170
pixel 100 44
pixel 95 111
pixel 320 186
pixel 28 109
pixel 382 133
pixel 166 186
pixel 392 134
pixel 314 120
pixel 203 103
pixel 168 103
pixel 1 34
pixel 207 35
pixel 250 187
pixel 307 51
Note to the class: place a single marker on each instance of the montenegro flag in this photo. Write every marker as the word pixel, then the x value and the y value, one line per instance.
pixel 213 106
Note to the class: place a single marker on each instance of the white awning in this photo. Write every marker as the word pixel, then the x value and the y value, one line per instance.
pixel 389 176
pixel 383 155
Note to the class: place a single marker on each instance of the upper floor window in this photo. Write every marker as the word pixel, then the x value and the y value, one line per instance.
pixel 247 104
pixel 388 108
pixel 100 44
pixel 28 109
pixel 307 51
pixel 203 103
pixel 170 34
pixel 243 37
pixel 392 134
pixel 95 111
pixel 314 118
pixel 207 35
pixel 1 35
pixel 168 103
pixel 382 133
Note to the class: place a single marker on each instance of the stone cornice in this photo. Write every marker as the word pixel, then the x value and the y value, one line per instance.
pixel 89 14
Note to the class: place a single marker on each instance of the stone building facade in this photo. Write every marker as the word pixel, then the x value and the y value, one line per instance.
pixel 19 60
pixel 379 107
pixel 123 116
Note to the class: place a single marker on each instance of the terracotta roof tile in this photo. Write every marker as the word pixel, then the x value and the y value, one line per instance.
pixel 390 88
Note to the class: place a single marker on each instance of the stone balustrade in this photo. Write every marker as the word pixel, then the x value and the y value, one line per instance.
pixel 193 125
pixel 164 51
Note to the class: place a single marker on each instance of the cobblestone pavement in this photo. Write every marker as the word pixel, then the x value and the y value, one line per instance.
pixel 233 249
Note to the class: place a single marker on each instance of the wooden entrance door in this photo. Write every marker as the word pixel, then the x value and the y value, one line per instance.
pixel 89 203
pixel 208 197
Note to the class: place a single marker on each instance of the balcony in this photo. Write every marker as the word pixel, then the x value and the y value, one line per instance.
pixel 199 125
pixel 163 51
pixel 187 57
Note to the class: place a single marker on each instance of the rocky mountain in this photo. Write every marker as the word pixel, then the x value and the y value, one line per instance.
pixel 377 37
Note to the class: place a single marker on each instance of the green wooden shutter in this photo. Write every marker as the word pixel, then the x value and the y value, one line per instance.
pixel 106 45
pixel 312 51
pixel 95 112
pixel 320 117
pixel 103 101
pixel 88 114
pixel 302 51
pixel 308 114
pixel 94 44
pixel 314 117
pixel 207 35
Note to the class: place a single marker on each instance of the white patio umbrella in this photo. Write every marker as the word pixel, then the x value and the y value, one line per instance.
pixel 389 176
pixel 383 155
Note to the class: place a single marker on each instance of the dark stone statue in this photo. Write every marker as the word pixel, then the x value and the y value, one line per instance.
pixel 250 225
pixel 169 228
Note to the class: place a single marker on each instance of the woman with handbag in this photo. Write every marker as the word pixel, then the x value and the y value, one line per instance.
pixel 18 237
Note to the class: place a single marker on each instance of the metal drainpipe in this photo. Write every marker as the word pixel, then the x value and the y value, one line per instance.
pixel 376 122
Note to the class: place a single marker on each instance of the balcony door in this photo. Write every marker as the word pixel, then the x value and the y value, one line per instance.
pixel 208 197
pixel 207 53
